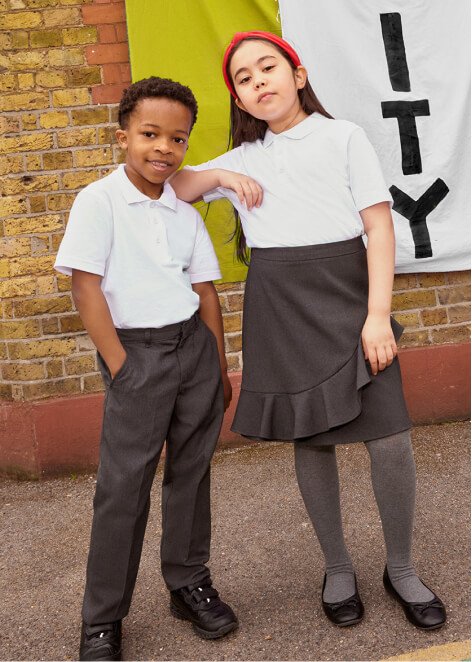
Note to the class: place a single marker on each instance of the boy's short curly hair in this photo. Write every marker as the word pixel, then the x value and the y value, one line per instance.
pixel 155 87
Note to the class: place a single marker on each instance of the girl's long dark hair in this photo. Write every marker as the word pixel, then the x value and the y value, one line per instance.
pixel 246 128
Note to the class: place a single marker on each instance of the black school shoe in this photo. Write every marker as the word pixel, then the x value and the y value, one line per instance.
pixel 101 642
pixel 210 616
pixel 346 612
pixel 425 615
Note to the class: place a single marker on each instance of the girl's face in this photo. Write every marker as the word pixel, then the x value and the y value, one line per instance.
pixel 265 83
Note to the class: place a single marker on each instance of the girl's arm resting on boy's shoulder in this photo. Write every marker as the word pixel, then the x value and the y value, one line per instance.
pixel 190 185
pixel 95 314
pixel 378 341
pixel 210 313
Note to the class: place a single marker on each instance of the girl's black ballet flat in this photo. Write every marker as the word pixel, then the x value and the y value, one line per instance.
pixel 346 612
pixel 425 615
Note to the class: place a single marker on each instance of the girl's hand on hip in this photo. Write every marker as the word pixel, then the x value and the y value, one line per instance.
pixel 249 192
pixel 378 342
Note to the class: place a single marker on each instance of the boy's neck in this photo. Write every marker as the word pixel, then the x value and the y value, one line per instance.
pixel 153 191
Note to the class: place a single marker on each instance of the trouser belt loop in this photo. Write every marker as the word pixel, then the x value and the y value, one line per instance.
pixel 188 327
pixel 147 337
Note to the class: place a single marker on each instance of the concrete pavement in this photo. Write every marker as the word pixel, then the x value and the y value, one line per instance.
pixel 265 562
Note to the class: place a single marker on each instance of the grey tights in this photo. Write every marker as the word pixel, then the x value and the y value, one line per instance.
pixel 394 480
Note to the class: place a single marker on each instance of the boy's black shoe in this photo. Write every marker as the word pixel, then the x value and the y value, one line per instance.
pixel 101 642
pixel 211 617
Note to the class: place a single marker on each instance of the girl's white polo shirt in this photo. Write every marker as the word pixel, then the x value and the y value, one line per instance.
pixel 316 177
pixel 148 252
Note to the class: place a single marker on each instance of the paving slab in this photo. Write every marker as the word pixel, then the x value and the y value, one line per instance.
pixel 265 561
pixel 455 651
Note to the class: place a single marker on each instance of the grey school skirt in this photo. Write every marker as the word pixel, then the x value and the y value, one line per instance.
pixel 304 375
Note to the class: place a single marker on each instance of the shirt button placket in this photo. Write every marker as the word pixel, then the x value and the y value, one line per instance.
pixel 279 156
pixel 156 223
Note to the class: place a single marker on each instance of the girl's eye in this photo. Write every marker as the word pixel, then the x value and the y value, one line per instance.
pixel 179 141
pixel 244 80
pixel 269 67
pixel 149 134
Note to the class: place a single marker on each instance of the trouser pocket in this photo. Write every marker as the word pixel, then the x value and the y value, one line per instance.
pixel 120 376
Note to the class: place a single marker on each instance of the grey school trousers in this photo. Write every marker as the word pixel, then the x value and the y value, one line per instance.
pixel 168 389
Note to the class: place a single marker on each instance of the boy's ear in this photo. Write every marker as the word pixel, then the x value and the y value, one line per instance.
pixel 122 138
pixel 301 76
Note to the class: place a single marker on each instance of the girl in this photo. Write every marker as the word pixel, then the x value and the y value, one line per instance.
pixel 319 345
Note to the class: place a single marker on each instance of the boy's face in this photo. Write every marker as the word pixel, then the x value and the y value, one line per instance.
pixel 155 142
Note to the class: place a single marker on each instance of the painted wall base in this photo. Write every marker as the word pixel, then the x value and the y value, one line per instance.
pixel 61 435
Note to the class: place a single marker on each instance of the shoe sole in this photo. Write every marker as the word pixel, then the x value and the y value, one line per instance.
pixel 204 634
pixel 347 623
pixel 407 616
pixel 116 656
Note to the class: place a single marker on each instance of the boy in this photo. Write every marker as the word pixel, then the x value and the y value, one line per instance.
pixel 142 265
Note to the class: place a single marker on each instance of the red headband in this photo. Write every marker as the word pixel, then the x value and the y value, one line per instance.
pixel 268 36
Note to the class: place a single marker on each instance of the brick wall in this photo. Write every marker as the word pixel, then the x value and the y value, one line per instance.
pixel 434 308
pixel 63 66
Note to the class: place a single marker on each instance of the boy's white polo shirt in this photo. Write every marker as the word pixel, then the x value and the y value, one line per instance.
pixel 148 252
pixel 316 177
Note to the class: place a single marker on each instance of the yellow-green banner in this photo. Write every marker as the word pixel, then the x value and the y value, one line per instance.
pixel 185 40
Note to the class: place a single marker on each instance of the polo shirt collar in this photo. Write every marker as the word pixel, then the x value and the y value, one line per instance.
pixel 300 130
pixel 133 194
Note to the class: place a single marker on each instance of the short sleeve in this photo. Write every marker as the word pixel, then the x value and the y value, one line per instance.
pixel 366 179
pixel 204 263
pixel 88 238
pixel 232 160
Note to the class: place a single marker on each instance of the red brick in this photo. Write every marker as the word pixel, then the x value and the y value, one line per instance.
pixel 102 14
pixel 107 34
pixel 116 73
pixel 121 32
pixel 125 72
pixel 108 93
pixel 100 53
pixel 111 74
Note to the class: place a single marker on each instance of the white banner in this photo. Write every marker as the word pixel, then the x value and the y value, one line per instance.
pixel 400 69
